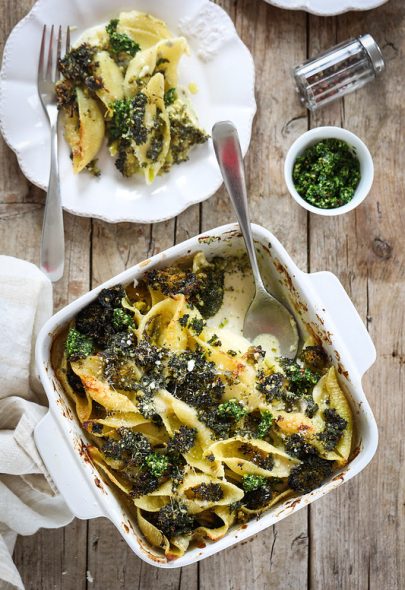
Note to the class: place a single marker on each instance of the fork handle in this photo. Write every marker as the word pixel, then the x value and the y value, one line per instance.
pixel 53 239
pixel 229 155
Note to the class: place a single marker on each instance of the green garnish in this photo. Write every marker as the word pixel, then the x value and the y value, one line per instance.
pixel 264 424
pixel 157 464
pixel 120 42
pixel 327 174
pixel 77 345
pixel 252 482
pixel 170 96
pixel 232 409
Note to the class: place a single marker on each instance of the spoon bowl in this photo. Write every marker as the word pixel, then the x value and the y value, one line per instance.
pixel 266 316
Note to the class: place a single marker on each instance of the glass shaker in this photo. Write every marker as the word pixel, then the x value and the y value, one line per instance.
pixel 338 71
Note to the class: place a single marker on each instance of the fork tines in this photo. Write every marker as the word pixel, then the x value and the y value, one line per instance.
pixel 48 67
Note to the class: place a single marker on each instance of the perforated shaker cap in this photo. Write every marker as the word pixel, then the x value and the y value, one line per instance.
pixel 374 52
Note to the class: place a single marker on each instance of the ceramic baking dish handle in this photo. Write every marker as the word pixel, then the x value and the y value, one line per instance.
pixel 349 323
pixel 64 469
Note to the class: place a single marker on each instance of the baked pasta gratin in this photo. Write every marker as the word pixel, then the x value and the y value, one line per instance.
pixel 195 426
pixel 121 81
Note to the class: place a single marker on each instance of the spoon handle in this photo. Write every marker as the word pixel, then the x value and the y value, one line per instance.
pixel 227 150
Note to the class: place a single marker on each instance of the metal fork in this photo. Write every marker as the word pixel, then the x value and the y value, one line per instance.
pixel 53 241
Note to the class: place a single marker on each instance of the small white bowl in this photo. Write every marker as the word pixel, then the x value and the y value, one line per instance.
pixel 313 136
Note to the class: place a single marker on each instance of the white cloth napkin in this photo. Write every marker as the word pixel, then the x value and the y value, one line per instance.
pixel 28 498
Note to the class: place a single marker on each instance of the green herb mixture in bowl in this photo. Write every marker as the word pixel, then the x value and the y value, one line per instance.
pixel 328 171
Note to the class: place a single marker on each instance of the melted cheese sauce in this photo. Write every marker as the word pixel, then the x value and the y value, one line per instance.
pixel 239 290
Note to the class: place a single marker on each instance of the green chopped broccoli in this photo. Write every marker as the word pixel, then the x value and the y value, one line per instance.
pixel 265 424
pixel 126 121
pixel 183 440
pixel 122 319
pixel 120 42
pixel 233 409
pixel 252 482
pixel 334 428
pixel 173 519
pixel 310 474
pixel 78 67
pixel 301 379
pixel 144 483
pixel 77 345
pixel 157 464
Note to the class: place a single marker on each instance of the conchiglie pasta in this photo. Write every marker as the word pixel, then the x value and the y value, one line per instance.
pixel 84 131
pixel 111 76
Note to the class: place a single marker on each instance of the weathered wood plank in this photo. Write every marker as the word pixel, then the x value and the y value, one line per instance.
pixel 357 533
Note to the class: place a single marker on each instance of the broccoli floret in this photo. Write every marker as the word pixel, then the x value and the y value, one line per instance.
pixel 96 320
pixel 127 120
pixel 301 380
pixel 171 281
pixel 111 298
pixel 204 289
pixel 122 319
pixel 256 456
pixel 211 492
pixel 258 491
pixel 209 296
pixel 78 66
pixel 183 440
pixel 314 357
pixel 193 379
pixel 157 464
pixel 173 519
pixel 265 424
pixel 150 357
pixel 297 446
pixel 133 447
pixel 77 345
pixel 252 482
pixel 144 483
pixel 120 42
pixel 127 163
pixel 272 386
pixel 335 425
pixel 310 474
pixel 232 409
pixel 120 346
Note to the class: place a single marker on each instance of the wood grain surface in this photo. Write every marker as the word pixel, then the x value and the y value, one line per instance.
pixel 354 538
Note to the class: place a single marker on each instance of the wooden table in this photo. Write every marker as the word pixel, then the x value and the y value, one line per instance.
pixel 354 538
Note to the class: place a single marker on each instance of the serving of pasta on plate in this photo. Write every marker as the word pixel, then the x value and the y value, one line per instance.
pixel 120 81
pixel 195 427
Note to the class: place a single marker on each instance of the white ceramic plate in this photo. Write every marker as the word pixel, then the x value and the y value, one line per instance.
pixel 327 7
pixel 217 54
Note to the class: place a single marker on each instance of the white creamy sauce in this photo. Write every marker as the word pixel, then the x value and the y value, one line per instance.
pixel 239 291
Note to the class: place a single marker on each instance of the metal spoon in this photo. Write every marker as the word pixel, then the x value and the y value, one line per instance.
pixel 266 315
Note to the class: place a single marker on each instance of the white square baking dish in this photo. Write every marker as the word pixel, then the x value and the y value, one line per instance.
pixel 319 302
